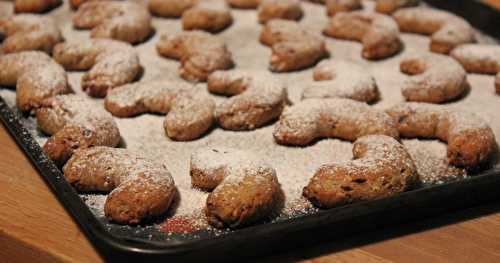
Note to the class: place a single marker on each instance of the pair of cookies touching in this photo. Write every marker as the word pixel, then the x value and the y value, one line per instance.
pixel 447 30
pixel 125 21
pixel 244 189
pixel 201 53
pixel 110 213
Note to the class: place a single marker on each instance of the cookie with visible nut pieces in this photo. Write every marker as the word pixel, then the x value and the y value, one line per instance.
pixel 381 167
pixel 110 63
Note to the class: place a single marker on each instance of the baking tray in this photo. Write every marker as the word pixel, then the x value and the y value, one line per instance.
pixel 124 243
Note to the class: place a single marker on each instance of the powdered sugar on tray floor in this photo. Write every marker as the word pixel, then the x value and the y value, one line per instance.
pixel 294 165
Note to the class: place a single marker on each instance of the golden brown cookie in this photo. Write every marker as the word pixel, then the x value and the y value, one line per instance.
pixel 188 115
pixel 293 47
pixel 29 32
pixel 434 78
pixel 283 9
pixel 345 119
pixel 112 63
pixel 245 4
pixel 35 75
pixel 120 20
pixel 446 29
pixel 208 15
pixel 257 99
pixel 170 8
pixel 389 6
pixel 245 188
pixel 342 79
pixel 381 167
pixel 471 141
pixel 336 6
pixel 139 188
pixel 479 58
pixel 200 53
pixel 35 6
pixel 378 33
pixel 74 122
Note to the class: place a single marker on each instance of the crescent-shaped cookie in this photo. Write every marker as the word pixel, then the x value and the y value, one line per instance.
pixel 434 78
pixel 293 47
pixel 257 99
pixel 342 79
pixel 74 122
pixel 139 188
pixel 110 63
pixel 245 188
pixel 200 53
pixel 125 21
pixel 380 167
pixel 470 139
pixel 479 58
pixel 346 119
pixel 188 115
pixel 29 32
pixel 446 29
pixel 35 75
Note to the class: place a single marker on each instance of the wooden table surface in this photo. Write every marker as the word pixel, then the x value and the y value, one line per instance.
pixel 34 227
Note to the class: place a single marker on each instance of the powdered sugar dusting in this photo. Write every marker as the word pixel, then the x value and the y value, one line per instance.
pixel 480 58
pixel 33 66
pixel 41 31
pixel 294 165
pixel 259 86
pixel 343 79
pixel 81 111
pixel 311 117
pixel 237 164
pixel 432 165
pixel 439 73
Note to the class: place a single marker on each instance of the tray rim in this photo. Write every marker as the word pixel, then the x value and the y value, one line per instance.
pixel 104 240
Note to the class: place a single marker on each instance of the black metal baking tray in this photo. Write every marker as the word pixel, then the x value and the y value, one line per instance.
pixel 124 243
